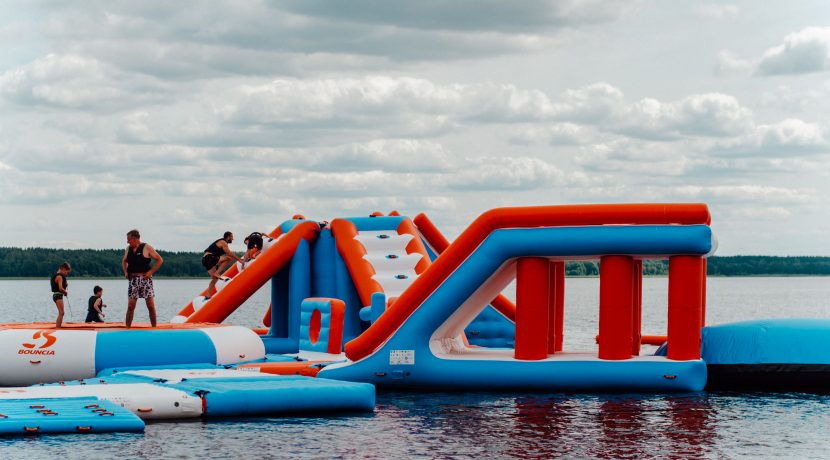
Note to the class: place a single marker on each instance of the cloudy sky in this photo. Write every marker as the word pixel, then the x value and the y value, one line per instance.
pixel 188 118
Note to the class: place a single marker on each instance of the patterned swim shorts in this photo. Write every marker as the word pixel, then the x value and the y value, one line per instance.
pixel 140 288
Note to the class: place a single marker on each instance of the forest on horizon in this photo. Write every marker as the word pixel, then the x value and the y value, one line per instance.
pixel 104 263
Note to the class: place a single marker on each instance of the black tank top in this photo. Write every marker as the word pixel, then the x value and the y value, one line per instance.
pixel 136 262
pixel 215 249
pixel 92 303
pixel 54 282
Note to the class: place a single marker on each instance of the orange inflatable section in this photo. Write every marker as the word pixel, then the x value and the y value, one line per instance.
pixel 415 246
pixel 306 368
pixel 352 251
pixel 439 243
pixel 221 305
pixel 520 217
pixel 229 273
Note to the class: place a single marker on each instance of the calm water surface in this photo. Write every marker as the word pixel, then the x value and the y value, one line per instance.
pixel 483 425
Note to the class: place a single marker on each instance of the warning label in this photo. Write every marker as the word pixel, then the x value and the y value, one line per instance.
pixel 405 357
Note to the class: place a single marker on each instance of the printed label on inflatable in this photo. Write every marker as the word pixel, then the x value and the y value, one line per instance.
pixel 30 356
pixel 402 357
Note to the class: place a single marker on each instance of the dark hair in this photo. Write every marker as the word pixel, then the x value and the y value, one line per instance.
pixel 97 289
pixel 134 233
pixel 227 234
pixel 65 266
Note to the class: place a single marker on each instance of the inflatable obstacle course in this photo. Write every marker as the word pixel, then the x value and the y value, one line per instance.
pixel 389 301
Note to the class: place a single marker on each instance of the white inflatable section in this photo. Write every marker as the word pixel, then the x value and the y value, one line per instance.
pixel 32 355
pixel 146 400
pixel 198 302
pixel 178 319
pixel 172 376
pixel 446 340
pixel 222 282
pixel 235 344
pixel 386 251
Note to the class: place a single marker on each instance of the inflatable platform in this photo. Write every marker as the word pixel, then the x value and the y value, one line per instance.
pixel 205 391
pixel 34 353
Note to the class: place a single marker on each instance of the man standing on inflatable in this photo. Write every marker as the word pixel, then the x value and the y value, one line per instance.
pixel 139 272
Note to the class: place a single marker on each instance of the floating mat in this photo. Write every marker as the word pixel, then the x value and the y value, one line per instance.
pixel 147 400
pixel 65 415
pixel 278 394
pixel 212 392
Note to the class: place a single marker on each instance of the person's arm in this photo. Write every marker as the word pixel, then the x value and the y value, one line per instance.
pixel 60 285
pixel 225 247
pixel 151 253
pixel 97 307
pixel 124 263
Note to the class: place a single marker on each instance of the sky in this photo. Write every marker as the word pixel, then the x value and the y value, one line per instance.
pixel 185 119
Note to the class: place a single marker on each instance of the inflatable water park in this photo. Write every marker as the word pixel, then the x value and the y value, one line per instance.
pixel 386 301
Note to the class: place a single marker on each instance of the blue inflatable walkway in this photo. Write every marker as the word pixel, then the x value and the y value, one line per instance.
pixel 65 415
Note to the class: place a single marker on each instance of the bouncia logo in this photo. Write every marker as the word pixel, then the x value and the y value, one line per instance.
pixel 43 349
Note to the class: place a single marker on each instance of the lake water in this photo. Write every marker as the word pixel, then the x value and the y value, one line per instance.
pixel 482 425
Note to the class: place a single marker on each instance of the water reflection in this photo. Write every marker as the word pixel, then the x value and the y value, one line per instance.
pixel 544 426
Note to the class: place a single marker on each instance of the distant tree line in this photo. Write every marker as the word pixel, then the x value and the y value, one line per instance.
pixel 102 263
pixel 726 266
pixel 92 263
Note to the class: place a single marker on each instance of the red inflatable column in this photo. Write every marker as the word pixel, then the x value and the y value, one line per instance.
pixel 703 299
pixel 686 284
pixel 616 306
pixel 532 292
pixel 637 291
pixel 556 311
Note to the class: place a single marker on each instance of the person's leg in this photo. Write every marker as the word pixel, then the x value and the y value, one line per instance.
pixel 151 310
pixel 130 311
pixel 212 285
pixel 59 320
pixel 224 263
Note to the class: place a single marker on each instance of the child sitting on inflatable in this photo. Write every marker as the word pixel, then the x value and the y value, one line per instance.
pixel 95 313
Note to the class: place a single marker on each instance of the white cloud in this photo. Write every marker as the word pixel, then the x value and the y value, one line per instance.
pixel 748 193
pixel 554 134
pixel 730 64
pixel 805 51
pixel 787 138
pixel 74 82
pixel 592 103
pixel 505 173
pixel 711 115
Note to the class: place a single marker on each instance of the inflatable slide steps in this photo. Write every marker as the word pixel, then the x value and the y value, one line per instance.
pixel 65 415
pixel 154 394
pixel 386 253
pixel 383 255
